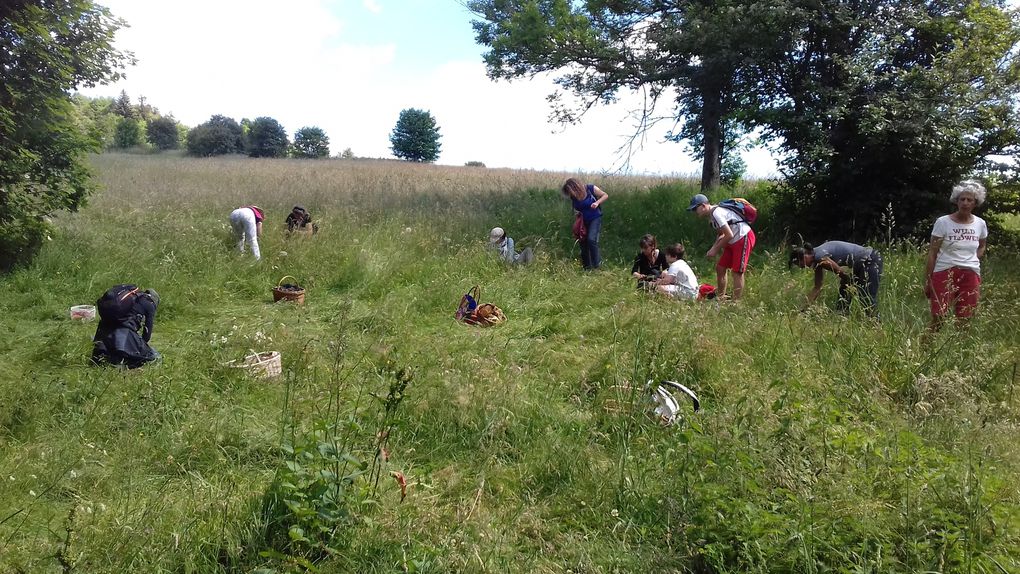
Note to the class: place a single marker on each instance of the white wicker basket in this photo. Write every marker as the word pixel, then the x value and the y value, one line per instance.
pixel 263 365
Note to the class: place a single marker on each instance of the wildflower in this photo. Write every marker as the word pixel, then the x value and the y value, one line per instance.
pixel 402 481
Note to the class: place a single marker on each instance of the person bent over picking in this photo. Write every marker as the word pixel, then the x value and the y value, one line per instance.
pixel 864 263
pixel 735 240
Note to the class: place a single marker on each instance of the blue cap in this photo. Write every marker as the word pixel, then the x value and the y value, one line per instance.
pixel 696 201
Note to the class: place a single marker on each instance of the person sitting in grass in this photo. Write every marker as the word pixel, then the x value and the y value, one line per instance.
pixel 649 263
pixel 504 245
pixel 126 316
pixel 864 264
pixel 678 280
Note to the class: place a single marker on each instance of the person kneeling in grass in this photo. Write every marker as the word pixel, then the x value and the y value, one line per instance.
pixel 864 263
pixel 678 281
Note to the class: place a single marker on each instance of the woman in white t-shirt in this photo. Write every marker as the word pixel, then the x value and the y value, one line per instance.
pixel 678 280
pixel 952 275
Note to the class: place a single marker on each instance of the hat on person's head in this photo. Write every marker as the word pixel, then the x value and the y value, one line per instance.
pixel 298 208
pixel 496 235
pixel 696 201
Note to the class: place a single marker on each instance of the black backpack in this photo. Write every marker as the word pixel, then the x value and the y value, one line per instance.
pixel 116 303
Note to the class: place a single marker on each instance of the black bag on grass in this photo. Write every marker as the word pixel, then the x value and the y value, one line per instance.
pixel 115 305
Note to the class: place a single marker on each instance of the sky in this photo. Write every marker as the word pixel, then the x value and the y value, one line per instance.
pixel 350 67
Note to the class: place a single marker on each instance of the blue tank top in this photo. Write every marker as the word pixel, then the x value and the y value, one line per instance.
pixel 584 205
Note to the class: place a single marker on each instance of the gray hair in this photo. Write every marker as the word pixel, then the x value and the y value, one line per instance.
pixel 971 186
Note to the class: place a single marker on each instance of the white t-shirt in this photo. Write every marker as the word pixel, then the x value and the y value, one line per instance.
pixel 960 243
pixel 722 216
pixel 686 284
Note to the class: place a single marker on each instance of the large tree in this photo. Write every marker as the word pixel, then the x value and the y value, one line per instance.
pixel 887 103
pixel 47 49
pixel 162 133
pixel 267 138
pixel 311 142
pixel 416 136
pixel 694 49
pixel 218 136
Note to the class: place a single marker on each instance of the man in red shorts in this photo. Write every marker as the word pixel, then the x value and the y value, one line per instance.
pixel 735 239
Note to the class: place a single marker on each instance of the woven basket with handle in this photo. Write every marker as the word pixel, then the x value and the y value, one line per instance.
pixel 263 365
pixel 281 294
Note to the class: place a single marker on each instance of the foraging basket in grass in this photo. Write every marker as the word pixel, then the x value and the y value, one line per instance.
pixel 289 291
pixel 262 365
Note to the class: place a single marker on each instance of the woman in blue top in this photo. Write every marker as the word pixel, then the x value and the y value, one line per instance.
pixel 586 200
pixel 865 266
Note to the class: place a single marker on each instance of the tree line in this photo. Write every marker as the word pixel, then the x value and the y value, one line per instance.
pixel 118 123
pixel 869 104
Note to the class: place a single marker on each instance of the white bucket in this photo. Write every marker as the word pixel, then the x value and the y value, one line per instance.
pixel 83 312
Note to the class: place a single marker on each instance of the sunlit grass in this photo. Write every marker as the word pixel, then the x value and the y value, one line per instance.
pixel 826 442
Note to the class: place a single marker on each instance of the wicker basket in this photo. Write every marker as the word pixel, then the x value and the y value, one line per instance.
pixel 263 365
pixel 281 294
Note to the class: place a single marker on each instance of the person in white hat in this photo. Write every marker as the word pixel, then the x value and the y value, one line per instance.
pixel 504 245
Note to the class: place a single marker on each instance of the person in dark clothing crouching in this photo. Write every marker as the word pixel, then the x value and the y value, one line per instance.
pixel 126 316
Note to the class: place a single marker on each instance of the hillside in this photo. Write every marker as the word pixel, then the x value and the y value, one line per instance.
pixel 825 443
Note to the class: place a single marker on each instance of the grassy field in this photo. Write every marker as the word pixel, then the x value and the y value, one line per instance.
pixel 826 443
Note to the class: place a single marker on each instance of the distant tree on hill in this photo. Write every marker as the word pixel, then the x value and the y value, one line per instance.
pixel 220 135
pixel 311 142
pixel 347 154
pixel 123 107
pixel 162 133
pixel 267 138
pixel 128 133
pixel 45 54
pixel 416 136
pixel 95 117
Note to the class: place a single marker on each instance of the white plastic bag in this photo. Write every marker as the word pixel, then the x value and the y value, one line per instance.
pixel 666 407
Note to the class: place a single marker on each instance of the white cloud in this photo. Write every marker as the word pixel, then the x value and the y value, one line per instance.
pixel 372 6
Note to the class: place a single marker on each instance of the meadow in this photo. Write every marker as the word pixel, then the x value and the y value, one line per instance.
pixel 398 440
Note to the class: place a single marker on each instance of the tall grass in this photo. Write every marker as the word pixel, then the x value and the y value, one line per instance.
pixel 826 442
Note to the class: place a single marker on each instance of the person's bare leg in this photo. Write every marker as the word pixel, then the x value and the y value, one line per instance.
pixel 738 285
pixel 720 282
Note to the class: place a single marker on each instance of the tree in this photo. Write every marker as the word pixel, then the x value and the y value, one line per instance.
pixel 694 47
pixel 47 50
pixel 348 153
pixel 220 135
pixel 416 136
pixel 128 133
pixel 888 103
pixel 96 119
pixel 162 133
pixel 123 107
pixel 267 138
pixel 311 142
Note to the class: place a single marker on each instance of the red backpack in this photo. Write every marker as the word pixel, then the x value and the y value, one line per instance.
pixel 742 207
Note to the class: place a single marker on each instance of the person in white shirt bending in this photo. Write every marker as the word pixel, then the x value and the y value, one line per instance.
pixel 952 273
pixel 678 280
